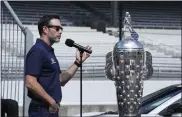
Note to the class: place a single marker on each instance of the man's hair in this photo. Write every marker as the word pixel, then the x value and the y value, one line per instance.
pixel 45 20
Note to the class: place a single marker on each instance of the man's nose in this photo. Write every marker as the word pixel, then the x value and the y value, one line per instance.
pixel 60 31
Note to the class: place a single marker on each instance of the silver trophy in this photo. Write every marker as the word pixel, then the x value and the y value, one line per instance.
pixel 127 65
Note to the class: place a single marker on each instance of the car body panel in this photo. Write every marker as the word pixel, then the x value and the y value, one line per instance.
pixel 166 104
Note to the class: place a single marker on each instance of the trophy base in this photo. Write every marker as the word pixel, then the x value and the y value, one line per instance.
pixel 132 115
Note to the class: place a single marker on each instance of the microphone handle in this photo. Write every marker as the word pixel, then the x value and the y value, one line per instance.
pixel 81 48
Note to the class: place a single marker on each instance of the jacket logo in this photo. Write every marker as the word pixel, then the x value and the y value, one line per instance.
pixel 52 61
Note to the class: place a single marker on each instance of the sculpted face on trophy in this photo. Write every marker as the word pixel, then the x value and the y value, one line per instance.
pixel 128 65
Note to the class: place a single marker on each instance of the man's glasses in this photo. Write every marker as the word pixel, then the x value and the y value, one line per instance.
pixel 57 28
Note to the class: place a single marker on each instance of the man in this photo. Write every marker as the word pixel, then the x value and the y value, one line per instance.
pixel 43 75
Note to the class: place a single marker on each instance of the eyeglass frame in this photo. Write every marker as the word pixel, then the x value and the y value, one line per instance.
pixel 57 28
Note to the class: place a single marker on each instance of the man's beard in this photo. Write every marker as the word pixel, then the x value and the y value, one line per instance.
pixel 54 40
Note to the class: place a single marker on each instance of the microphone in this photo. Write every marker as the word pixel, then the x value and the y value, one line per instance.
pixel 71 43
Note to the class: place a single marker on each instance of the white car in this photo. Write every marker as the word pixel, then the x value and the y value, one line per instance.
pixel 165 102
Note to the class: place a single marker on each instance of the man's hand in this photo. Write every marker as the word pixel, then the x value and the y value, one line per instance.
pixel 53 107
pixel 85 55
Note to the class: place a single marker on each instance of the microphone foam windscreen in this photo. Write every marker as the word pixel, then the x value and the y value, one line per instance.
pixel 69 42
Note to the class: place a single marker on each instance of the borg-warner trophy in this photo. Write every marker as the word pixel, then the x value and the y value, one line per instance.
pixel 127 65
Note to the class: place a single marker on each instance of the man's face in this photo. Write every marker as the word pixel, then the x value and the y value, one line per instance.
pixel 54 31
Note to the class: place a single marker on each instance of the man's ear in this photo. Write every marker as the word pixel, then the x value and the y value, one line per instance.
pixel 45 30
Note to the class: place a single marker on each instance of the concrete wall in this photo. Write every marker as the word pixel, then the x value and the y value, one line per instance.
pixel 97 95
